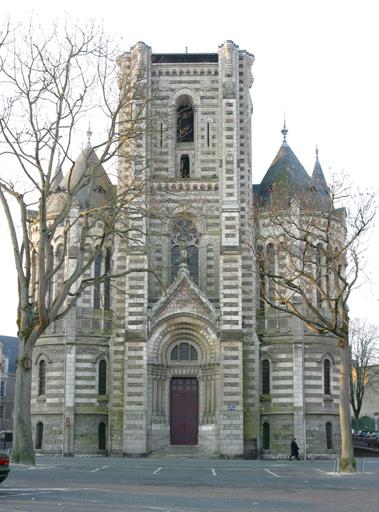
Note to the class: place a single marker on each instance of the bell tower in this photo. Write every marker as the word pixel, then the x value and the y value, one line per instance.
pixel 193 155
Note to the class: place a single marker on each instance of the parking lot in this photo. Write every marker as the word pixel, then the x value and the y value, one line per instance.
pixel 188 485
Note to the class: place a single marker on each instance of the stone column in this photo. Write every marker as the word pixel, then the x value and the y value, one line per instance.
pixel 299 427
pixel 231 399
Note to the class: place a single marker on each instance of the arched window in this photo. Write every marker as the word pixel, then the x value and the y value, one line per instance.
pixel 266 436
pixel 184 352
pixel 262 281
pixel 329 435
pixel 42 378
pixel 184 235
pixel 96 286
pixel 271 271
pixel 102 436
pixel 265 377
pixel 59 269
pixel 39 435
pixel 184 166
pixel 318 276
pixel 102 380
pixel 107 282
pixel 184 121
pixel 326 377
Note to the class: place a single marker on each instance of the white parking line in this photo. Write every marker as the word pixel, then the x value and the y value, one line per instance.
pixel 156 471
pixel 320 471
pixel 272 473
pixel 214 472
pixel 27 494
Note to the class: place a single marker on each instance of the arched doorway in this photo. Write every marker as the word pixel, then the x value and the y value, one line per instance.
pixel 183 377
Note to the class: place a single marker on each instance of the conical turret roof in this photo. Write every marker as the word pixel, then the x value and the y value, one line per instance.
pixel 57 176
pixel 87 180
pixel 318 177
pixel 285 171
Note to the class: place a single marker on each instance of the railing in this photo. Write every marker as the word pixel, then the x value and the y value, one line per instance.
pixel 87 321
pixel 366 446
pixel 93 321
pixel 274 322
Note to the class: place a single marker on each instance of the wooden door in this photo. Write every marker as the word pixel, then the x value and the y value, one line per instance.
pixel 184 411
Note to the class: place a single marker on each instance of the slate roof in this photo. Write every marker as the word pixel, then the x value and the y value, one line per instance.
pixel 318 177
pixel 88 172
pixel 10 348
pixel 285 170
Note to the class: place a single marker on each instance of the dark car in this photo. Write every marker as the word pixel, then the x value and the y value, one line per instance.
pixel 4 466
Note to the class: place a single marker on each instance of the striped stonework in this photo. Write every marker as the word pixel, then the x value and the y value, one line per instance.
pixel 185 314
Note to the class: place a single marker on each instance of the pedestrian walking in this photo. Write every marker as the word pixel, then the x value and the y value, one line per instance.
pixel 294 450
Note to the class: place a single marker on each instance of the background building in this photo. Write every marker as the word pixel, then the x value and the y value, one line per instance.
pixel 8 358
pixel 186 362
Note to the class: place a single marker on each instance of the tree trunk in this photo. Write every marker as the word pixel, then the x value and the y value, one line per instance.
pixel 347 464
pixel 22 450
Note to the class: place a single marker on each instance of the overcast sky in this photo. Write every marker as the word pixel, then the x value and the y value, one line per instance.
pixel 316 62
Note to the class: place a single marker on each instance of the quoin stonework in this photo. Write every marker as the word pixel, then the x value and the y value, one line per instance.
pixel 178 357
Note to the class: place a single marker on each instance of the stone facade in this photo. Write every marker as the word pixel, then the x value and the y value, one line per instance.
pixel 110 386
pixel 8 357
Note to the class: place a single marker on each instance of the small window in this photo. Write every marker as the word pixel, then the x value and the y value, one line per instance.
pixel 184 352
pixel 329 435
pixel 39 435
pixel 102 436
pixel 271 272
pixel 184 166
pixel 265 377
pixel 42 378
pixel 318 276
pixel 266 436
pixel 327 377
pixel 102 386
pixel 2 389
pixel 107 280
pixel 96 275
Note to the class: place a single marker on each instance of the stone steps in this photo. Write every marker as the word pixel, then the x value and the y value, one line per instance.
pixel 183 452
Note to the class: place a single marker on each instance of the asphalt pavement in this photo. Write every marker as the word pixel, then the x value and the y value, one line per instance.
pixel 92 484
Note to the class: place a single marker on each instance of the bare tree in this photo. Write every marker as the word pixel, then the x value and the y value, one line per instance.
pixel 364 374
pixel 50 84
pixel 310 253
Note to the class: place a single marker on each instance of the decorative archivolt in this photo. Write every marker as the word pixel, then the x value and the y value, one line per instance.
pixel 187 92
pixel 178 330
pixel 42 356
pixel 327 355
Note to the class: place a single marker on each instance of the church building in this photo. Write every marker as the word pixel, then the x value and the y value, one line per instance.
pixel 174 358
